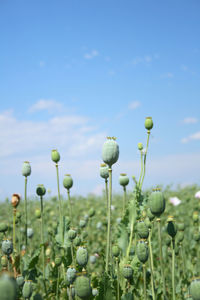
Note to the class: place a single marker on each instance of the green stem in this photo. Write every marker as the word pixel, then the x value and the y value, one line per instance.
pixel 57 285
pixel 70 207
pixel 183 258
pixel 109 219
pixel 145 283
pixel 117 263
pixel 72 252
pixel 124 200
pixel 142 167
pixel 161 258
pixel 131 234
pixel 145 157
pixel 14 218
pixel 173 267
pixel 70 292
pixel 25 208
pixel 106 185
pixel 42 237
pixel 151 266
pixel 60 204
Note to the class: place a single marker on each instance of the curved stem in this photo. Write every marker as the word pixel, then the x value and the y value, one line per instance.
pixel 145 157
pixel 173 266
pixel 70 206
pixel 151 266
pixel 25 208
pixel 161 258
pixel 14 218
pixel 109 219
pixel 145 282
pixel 60 203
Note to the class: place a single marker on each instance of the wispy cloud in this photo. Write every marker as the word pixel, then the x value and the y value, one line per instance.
pixel 134 104
pixel 190 120
pixel 42 63
pixel 193 137
pixel 49 105
pixel 91 55
pixel 146 59
pixel 167 75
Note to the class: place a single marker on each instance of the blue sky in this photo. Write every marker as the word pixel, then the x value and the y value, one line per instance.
pixel 74 72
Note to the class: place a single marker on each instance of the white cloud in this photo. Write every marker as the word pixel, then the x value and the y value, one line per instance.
pixel 146 59
pixel 167 75
pixel 184 68
pixel 134 104
pixel 190 120
pixel 49 105
pixel 91 55
pixel 42 63
pixel 98 189
pixel 193 137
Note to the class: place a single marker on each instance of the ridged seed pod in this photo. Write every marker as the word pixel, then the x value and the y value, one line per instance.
pixel 38 213
pixel 127 271
pixel 91 212
pixel 4 261
pixel 27 289
pixel 93 259
pixel 140 146
pixel 148 123
pixel 7 247
pixel 143 230
pixel 142 251
pixel 110 152
pixel 40 190
pixel 15 200
pixel 20 280
pixel 123 179
pixel 18 215
pixel 95 292
pixel 82 256
pixel 26 169
pixel 67 181
pixel 72 234
pixel 104 171
pixel 157 202
pixel 115 251
pixel 30 233
pixel 55 156
pixel 82 287
pixel 58 261
pixel 82 223
pixel 71 274
pixel 3 227
pixel 195 289
pixel 171 227
pixel 8 289
pixel 77 241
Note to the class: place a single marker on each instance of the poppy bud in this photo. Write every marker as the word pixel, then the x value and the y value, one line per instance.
pixel 148 123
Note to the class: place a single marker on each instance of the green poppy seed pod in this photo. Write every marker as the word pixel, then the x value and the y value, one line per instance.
pixel 115 250
pixel 20 280
pixel 95 292
pixel 40 190
pixel 82 256
pixel 72 234
pixel 143 230
pixel 181 226
pixel 58 261
pixel 110 152
pixel 93 259
pixel 195 216
pixel 197 236
pixel 127 271
pixel 142 251
pixel 195 289
pixel 157 202
pixel 30 233
pixel 171 227
pixel 82 223
pixel 91 212
pixel 77 241
pixel 150 215
pixel 38 213
pixel 8 289
pixel 140 146
pixel 4 261
pixel 7 247
pixel 27 289
pixel 180 236
pixel 123 179
pixel 26 169
pixel 67 181
pixel 15 200
pixel 148 123
pixel 55 156
pixel 18 215
pixel 104 171
pixel 71 274
pixel 82 287
pixel 3 227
